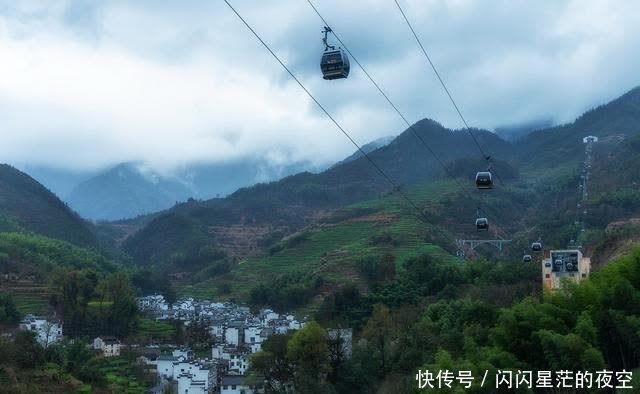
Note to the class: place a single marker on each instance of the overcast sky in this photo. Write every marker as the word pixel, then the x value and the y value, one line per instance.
pixel 85 84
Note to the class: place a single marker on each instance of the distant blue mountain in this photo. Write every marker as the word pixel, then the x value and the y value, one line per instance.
pixel 125 191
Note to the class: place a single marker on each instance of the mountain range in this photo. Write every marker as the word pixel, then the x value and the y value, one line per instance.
pixel 322 222
pixel 130 189
pixel 125 191
pixel 283 207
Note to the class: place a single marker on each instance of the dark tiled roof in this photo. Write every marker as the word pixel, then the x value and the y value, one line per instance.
pixel 232 380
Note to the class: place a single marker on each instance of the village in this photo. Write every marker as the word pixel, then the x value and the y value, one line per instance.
pixel 236 333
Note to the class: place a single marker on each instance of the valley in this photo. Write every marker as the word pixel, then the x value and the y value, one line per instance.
pixel 341 248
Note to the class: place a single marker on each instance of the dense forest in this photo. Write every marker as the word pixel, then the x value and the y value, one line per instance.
pixel 425 321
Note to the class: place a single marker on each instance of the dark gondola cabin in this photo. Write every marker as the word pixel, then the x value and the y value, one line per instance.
pixel 482 224
pixel 536 247
pixel 334 64
pixel 484 180
pixel 526 258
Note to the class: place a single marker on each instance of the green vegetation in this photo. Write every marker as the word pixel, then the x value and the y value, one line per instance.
pixel 27 367
pixel 341 246
pixel 36 256
pixel 26 205
pixel 461 318
pixel 29 262
pixel 92 305
pixel 9 314
pixel 154 331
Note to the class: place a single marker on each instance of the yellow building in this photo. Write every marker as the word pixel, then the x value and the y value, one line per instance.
pixel 564 264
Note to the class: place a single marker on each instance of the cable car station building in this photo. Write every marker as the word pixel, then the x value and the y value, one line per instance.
pixel 562 265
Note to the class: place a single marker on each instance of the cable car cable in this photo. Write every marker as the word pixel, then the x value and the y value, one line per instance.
pixel 396 188
pixel 382 92
pixel 444 86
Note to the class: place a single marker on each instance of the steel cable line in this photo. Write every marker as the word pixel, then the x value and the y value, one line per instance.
pixel 395 187
pixel 444 86
pixel 395 108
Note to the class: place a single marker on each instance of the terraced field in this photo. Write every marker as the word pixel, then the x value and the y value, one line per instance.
pixel 333 250
pixel 120 377
pixel 30 297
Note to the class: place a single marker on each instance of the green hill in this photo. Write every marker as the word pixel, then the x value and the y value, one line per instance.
pixel 288 205
pixel 26 205
pixel 553 146
pixel 316 229
pixel 28 262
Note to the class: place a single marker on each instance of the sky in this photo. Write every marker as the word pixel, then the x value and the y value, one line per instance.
pixel 86 84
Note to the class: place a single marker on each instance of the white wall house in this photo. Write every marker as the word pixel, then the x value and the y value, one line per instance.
pixel 267 315
pixel 238 362
pixel 232 336
pixel 217 329
pixel 255 347
pixel 108 345
pixel 252 334
pixel 47 332
pixel 187 385
pixel 236 385
pixel 165 365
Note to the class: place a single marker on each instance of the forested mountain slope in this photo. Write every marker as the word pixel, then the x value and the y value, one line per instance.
pixel 26 205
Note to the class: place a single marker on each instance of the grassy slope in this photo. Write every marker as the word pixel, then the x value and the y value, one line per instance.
pixel 540 203
pixel 33 257
pixel 332 250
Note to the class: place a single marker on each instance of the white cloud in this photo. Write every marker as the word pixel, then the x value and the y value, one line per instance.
pixel 88 84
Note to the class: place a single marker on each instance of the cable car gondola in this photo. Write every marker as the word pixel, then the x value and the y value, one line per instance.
pixel 536 246
pixel 526 258
pixel 334 63
pixel 484 180
pixel 482 224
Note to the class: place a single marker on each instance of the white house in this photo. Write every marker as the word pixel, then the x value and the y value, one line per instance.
pixel 255 347
pixel 165 365
pixel 217 351
pixel 47 332
pixel 590 138
pixel 252 335
pixel 199 371
pixel 232 335
pixel 110 346
pixel 268 315
pixel 153 303
pixel 233 384
pixel 188 385
pixel 238 362
pixel 181 352
pixel 217 328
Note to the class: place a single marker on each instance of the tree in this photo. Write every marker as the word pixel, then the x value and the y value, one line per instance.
pixel 78 354
pixel 272 362
pixel 28 352
pixel 309 354
pixel 121 318
pixel 76 290
pixel 9 313
pixel 48 328
pixel 197 334
pixel 379 333
pixel 337 345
